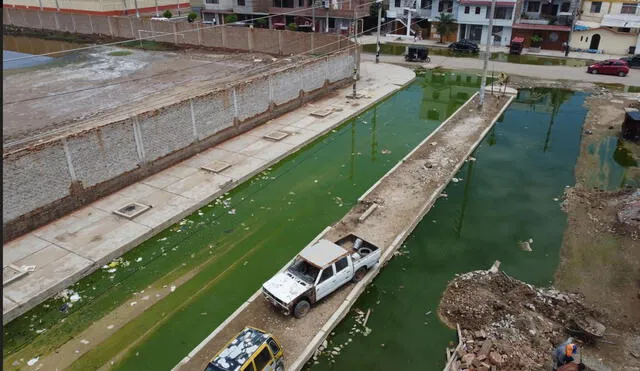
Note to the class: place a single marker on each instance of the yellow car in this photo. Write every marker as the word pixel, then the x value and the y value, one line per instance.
pixel 251 350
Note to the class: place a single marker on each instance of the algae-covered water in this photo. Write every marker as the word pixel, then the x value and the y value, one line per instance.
pixel 241 239
pixel 511 193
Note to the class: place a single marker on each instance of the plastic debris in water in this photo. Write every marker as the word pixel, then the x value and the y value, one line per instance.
pixel 85 342
pixel 112 270
pixel 33 361
pixel 139 259
pixel 133 303
pixel 173 288
pixel 75 297
pixel 232 211
pixel 385 151
pixel 162 239
pixel 455 180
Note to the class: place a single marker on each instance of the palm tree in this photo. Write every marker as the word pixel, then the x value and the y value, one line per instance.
pixel 446 25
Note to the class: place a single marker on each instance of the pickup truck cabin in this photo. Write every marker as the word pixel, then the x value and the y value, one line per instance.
pixel 317 271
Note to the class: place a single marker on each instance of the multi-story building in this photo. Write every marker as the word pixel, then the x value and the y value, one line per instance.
pixel 420 14
pixel 473 20
pixel 103 7
pixel 610 27
pixel 214 11
pixel 549 20
pixel 329 15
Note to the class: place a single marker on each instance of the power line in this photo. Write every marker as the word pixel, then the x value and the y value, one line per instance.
pixel 243 72
pixel 164 34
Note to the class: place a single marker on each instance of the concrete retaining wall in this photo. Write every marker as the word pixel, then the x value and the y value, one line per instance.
pixel 48 180
pixel 277 42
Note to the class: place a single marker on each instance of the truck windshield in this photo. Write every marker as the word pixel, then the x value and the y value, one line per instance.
pixel 303 270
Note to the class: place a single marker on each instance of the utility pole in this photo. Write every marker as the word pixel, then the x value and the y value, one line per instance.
pixel 313 16
pixel 487 52
pixel 355 60
pixel 379 3
pixel 158 11
pixel 135 3
pixel 326 21
pixel 574 15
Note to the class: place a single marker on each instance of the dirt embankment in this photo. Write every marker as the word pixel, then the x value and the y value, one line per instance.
pixel 507 323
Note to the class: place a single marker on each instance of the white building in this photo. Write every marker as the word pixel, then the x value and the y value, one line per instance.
pixel 473 20
pixel 612 27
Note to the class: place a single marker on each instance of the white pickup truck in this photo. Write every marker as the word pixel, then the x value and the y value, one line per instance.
pixel 319 270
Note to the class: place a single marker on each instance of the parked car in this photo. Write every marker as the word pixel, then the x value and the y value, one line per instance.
pixel 633 61
pixel 609 67
pixel 464 46
pixel 251 349
pixel 319 270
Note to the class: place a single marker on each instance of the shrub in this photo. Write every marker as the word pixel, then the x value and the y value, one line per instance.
pixel 192 17
pixel 231 18
pixel 167 14
pixel 293 26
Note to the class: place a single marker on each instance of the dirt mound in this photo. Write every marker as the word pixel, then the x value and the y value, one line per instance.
pixel 506 322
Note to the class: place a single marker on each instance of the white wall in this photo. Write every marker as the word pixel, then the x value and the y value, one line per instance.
pixel 611 42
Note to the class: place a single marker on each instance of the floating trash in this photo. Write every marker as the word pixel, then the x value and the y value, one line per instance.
pixel 33 361
pixel 139 259
pixel 75 297
pixel 173 288
pixel 85 342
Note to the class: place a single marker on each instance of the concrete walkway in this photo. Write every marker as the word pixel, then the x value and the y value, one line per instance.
pixel 70 248
pixel 369 39
pixel 577 74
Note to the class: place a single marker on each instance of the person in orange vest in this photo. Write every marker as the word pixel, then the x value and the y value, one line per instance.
pixel 565 353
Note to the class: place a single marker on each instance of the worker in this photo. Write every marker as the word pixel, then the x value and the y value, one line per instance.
pixel 564 353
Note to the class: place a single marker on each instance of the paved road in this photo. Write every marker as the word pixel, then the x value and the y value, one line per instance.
pixel 528 70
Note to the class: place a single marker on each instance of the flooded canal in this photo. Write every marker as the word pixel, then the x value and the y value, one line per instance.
pixel 23 51
pixel 510 193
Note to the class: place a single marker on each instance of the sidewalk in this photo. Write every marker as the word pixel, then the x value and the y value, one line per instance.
pixel 371 39
pixel 72 247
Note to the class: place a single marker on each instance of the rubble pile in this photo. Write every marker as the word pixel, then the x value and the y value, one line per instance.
pixel 506 324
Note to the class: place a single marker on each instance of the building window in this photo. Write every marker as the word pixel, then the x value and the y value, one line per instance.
pixel 533 7
pixel 425 4
pixel 477 10
pixel 283 3
pixel 596 6
pixel 501 13
pixel 241 2
pixel 624 29
pixel 445 6
pixel 466 10
pixel 398 3
pixel 581 37
pixel 628 8
pixel 300 3
pixel 565 7
pixel 213 1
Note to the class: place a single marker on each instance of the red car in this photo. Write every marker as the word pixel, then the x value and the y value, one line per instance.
pixel 610 67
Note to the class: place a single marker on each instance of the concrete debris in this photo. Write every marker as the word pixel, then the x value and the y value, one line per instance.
pixel 173 288
pixel 85 342
pixel 33 361
pixel 506 323
pixel 525 246
pixel 28 268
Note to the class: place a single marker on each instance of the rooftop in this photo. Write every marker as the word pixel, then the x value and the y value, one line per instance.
pixel 322 253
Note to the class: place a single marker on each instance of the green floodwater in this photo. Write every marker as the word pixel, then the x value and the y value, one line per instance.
pixel 400 49
pixel 243 238
pixel 504 197
pixel 614 162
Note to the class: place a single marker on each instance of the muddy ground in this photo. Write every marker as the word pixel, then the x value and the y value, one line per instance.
pixel 90 86
pixel 599 271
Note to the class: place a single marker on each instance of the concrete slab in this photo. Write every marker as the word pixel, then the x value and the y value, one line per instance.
pixel 267 150
pixel 160 180
pixel 199 185
pixel 8 305
pixel 49 279
pixel 238 144
pixel 304 123
pixel 299 135
pixel 210 155
pixel 21 247
pixel 180 171
pixel 61 229
pixel 168 208
pixel 246 168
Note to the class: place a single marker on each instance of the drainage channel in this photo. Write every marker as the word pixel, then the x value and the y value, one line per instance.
pixel 510 191
pixel 238 241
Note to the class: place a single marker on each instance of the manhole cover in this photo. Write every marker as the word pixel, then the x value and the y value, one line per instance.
pixel 322 112
pixel 131 210
pixel 276 135
pixel 11 273
pixel 216 166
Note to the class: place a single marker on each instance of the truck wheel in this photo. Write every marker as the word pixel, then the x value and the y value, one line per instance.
pixel 301 309
pixel 280 367
pixel 359 275
pixel 621 74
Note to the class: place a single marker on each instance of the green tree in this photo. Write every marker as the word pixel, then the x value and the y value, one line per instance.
pixel 231 18
pixel 446 25
pixel 261 22
pixel 536 41
pixel 192 17
pixel 167 14
pixel 293 26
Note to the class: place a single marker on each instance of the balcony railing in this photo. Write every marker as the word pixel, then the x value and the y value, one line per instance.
pixel 308 12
